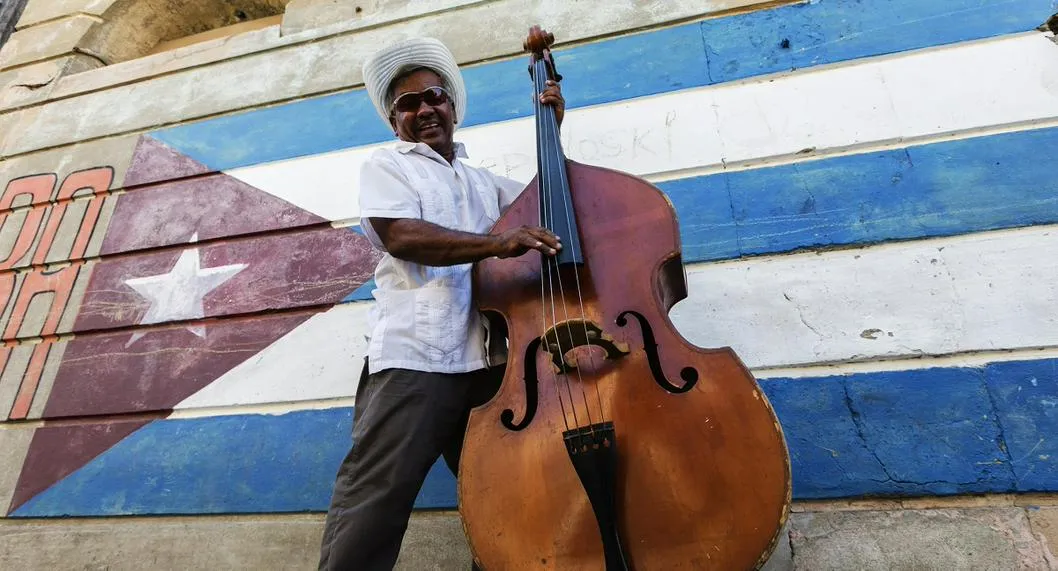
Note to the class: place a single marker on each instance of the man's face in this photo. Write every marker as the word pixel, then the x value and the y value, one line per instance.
pixel 428 124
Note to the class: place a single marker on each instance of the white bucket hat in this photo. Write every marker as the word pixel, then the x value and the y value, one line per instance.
pixel 386 64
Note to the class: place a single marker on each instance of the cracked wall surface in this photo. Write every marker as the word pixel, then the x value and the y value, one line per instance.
pixel 926 432
pixel 864 219
pixel 983 538
pixel 937 539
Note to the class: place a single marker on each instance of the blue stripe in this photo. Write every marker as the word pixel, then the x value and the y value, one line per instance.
pixel 929 432
pixel 934 431
pixel 942 189
pixel 816 33
pixel 690 55
pixel 1026 400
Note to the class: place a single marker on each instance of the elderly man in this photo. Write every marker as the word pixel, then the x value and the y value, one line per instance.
pixel 429 359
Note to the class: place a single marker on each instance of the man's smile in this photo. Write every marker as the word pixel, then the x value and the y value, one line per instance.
pixel 429 128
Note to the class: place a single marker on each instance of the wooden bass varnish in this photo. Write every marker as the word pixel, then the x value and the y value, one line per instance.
pixel 613 443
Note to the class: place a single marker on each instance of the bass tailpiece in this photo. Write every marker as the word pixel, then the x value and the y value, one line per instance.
pixel 593 451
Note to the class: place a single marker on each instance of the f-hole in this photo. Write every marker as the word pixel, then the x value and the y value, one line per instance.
pixel 531 384
pixel 688 374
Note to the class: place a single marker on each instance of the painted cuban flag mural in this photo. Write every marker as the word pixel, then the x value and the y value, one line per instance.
pixel 869 216
pixel 167 313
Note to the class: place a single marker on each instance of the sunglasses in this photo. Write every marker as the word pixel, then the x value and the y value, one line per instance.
pixel 433 96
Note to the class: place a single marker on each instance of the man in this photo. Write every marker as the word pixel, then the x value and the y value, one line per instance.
pixel 428 360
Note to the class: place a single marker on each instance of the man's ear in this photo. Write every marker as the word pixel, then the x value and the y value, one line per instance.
pixel 393 124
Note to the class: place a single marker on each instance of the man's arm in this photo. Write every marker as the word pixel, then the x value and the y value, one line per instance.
pixel 432 245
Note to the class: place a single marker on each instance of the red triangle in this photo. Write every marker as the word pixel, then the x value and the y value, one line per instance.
pixel 111 374
pixel 154 161
pixel 58 451
pixel 172 209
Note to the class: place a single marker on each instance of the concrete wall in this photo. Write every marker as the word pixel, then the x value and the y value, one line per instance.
pixel 867 205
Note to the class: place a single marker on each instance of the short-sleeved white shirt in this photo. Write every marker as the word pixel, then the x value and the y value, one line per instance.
pixel 424 317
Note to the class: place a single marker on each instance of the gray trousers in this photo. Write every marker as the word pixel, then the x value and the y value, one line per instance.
pixel 403 421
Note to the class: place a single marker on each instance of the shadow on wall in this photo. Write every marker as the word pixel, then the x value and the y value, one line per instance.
pixel 10 12
pixel 135 28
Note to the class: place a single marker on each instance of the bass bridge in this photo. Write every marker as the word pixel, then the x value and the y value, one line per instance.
pixel 562 340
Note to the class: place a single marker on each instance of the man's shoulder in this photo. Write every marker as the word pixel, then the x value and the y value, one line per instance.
pixel 383 155
pixel 384 160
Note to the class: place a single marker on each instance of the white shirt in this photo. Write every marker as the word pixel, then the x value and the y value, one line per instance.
pixel 424 318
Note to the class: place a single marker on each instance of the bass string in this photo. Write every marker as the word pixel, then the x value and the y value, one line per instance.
pixel 552 168
pixel 551 122
pixel 546 218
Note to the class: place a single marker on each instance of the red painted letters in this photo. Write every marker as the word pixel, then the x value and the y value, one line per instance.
pixel 50 230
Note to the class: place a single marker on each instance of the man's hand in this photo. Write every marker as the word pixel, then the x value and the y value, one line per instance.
pixel 518 241
pixel 432 245
pixel 552 95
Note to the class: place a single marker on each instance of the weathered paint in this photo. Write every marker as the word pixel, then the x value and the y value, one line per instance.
pixel 211 206
pixel 796 117
pixel 985 291
pixel 330 264
pixel 933 431
pixel 500 91
pixel 936 177
pixel 45 41
pixel 1026 400
pixel 938 189
pixel 926 191
pixel 914 433
pixel 58 451
pixel 318 360
pixel 78 219
pixel 758 211
pixel 682 114
pixel 115 153
pixel 45 233
pixel 307 444
pixel 152 370
pixel 154 161
pixel 891 301
pixel 945 188
pixel 323 63
pixel 883 301
pixel 476 32
pixel 667 134
pixel 14 443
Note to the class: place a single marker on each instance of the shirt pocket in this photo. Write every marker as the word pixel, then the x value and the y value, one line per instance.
pixel 439 205
pixel 441 320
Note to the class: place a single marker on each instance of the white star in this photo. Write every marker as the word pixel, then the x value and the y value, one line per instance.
pixel 178 294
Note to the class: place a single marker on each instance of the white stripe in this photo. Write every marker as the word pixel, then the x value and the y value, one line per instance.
pixel 320 359
pixel 986 292
pixel 979 85
pixel 980 292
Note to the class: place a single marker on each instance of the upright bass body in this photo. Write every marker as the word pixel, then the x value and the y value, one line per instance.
pixel 613 443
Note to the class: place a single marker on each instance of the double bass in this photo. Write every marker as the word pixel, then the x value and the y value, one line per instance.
pixel 613 443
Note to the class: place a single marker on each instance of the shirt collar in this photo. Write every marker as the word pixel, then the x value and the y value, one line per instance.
pixel 425 150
